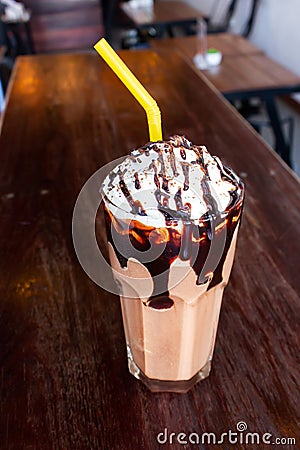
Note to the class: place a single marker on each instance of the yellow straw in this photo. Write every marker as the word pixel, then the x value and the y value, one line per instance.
pixel 134 86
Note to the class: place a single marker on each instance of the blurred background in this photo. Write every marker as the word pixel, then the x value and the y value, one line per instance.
pixel 41 26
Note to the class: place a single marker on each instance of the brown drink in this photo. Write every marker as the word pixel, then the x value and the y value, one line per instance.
pixel 172 216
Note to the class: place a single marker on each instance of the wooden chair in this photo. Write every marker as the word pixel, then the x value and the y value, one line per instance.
pixel 251 20
pixel 108 12
pixel 224 26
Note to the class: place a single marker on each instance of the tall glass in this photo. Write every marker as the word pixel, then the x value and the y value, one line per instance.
pixel 201 51
pixel 171 304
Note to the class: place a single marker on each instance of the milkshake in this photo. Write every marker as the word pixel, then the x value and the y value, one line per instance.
pixel 172 215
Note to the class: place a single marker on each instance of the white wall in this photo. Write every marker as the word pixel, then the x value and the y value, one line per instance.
pixel 277 32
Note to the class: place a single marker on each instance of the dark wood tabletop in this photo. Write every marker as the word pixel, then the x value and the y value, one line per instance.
pixel 64 377
pixel 251 72
pixel 242 68
pixel 229 44
pixel 163 12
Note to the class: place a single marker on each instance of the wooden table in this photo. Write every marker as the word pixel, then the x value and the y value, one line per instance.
pixel 163 16
pixel 244 74
pixel 229 44
pixel 64 377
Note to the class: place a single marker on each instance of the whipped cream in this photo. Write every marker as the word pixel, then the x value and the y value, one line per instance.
pixel 168 180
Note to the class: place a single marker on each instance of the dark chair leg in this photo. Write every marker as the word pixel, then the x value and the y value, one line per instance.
pixel 108 10
pixel 251 20
pixel 281 146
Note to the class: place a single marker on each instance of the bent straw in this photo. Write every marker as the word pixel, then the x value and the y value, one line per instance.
pixel 134 86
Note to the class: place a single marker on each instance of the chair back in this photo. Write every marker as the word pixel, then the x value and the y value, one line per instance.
pixel 225 24
pixel 229 13
pixel 250 22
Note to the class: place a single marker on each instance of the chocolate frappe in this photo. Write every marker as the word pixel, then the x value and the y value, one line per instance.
pixel 172 215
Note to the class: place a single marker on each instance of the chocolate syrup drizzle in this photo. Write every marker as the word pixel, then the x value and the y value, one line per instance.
pixel 186 173
pixel 136 205
pixel 206 264
pixel 137 183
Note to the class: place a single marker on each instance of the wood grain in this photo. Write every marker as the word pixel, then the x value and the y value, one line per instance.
pixel 64 380
pixel 242 68
pixel 65 24
pixel 256 71
pixel 229 44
